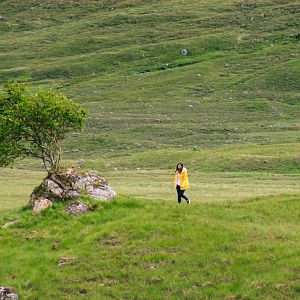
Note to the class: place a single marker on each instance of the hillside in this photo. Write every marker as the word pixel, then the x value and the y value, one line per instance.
pixel 229 108
pixel 237 89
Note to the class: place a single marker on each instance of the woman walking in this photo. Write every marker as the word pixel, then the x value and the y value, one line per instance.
pixel 181 182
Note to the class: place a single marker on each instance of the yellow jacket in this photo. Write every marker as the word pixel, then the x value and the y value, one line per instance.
pixel 184 181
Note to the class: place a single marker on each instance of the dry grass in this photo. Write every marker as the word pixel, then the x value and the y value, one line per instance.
pixel 17 185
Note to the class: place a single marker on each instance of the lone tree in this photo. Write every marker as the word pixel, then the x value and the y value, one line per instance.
pixel 34 125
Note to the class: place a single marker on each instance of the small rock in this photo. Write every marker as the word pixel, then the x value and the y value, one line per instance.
pixel 184 51
pixel 2 18
pixel 41 204
pixel 77 208
pixel 7 294
pixel 7 224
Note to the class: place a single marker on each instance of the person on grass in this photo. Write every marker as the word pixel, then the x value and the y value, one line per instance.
pixel 181 182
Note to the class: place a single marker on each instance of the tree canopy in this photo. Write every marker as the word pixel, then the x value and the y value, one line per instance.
pixel 34 124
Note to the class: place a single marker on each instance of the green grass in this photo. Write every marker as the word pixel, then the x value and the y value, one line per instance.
pixel 283 158
pixel 238 239
pixel 229 109
pixel 17 185
pixel 134 249
pixel 238 85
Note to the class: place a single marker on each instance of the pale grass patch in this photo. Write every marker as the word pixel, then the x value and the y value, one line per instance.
pixel 205 187
pixel 17 185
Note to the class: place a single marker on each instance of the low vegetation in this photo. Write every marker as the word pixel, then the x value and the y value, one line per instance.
pixel 134 249
pixel 213 84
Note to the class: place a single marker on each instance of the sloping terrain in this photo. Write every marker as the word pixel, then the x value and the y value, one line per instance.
pixel 237 85
pixel 229 107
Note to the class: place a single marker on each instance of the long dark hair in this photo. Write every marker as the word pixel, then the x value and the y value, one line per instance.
pixel 180 163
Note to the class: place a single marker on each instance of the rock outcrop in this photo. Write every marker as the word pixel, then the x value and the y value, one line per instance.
pixel 69 184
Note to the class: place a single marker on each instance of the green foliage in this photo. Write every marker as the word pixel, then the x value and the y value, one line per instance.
pixel 33 125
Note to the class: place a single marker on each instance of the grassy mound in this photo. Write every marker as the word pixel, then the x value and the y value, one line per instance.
pixel 133 249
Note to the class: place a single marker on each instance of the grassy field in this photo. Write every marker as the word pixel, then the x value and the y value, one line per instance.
pixel 134 249
pixel 17 185
pixel 238 240
pixel 229 109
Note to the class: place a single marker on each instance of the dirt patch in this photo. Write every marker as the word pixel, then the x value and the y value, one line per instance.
pixel 111 241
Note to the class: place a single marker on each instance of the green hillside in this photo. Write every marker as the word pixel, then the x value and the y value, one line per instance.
pixel 130 249
pixel 238 85
pixel 229 109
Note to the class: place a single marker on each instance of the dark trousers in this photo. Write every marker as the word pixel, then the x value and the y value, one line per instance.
pixel 180 194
